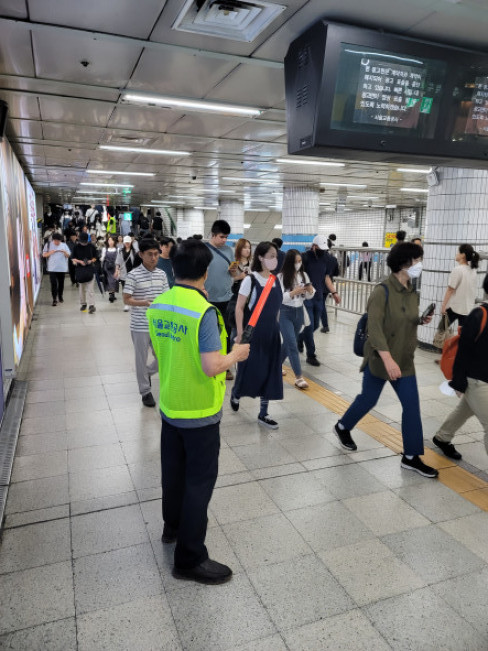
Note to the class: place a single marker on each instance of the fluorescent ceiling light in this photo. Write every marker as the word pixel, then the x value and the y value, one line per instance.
pixel 246 225
pixel 360 196
pixel 205 207
pixel 146 150
pixel 193 105
pixel 421 190
pixel 245 179
pixel 390 205
pixel 412 170
pixel 86 198
pixel 254 210
pixel 216 191
pixel 325 204
pixel 277 226
pixel 121 173
pixel 345 185
pixel 176 196
pixel 110 185
pixel 291 161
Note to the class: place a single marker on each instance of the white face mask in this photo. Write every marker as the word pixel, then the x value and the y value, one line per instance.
pixel 298 266
pixel 270 263
pixel 415 270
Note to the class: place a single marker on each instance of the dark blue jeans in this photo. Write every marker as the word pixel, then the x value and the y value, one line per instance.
pixel 407 391
pixel 189 468
pixel 314 308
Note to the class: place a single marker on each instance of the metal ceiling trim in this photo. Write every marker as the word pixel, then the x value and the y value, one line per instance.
pixel 57 82
pixel 152 45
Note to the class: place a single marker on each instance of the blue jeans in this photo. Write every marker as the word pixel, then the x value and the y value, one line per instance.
pixel 407 390
pixel 314 308
pixel 291 322
pixel 324 317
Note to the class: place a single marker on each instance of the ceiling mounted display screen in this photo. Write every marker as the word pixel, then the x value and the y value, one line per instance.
pixel 383 92
pixel 360 94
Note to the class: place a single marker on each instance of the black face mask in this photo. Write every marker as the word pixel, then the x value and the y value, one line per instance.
pixel 319 253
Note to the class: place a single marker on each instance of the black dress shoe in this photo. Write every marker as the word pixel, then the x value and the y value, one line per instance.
pixel 324 329
pixel 148 400
pixel 209 572
pixel 169 534
pixel 313 361
pixel 448 449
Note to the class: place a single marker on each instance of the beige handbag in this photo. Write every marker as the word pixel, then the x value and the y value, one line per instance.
pixel 443 332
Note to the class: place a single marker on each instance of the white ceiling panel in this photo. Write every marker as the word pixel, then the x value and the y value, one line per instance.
pixel 445 28
pixel 252 86
pixel 392 15
pixel 269 150
pixel 31 150
pixel 226 146
pixel 185 143
pixel 108 62
pixel 258 130
pixel 14 9
pixel 77 111
pixel 71 133
pixel 177 73
pixel 146 119
pixel 21 106
pixel 127 17
pixel 25 129
pixel 56 87
pixel 210 125
pixel 15 51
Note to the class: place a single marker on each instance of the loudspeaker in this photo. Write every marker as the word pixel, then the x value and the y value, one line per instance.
pixel 3 118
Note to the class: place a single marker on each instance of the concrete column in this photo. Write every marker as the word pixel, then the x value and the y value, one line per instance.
pixel 300 216
pixel 233 213
pixel 189 221
pixel 456 214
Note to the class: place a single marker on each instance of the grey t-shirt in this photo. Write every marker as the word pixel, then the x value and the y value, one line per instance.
pixel 208 342
pixel 219 281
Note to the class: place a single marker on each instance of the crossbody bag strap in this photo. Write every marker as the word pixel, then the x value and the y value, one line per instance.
pixel 213 248
pixel 483 322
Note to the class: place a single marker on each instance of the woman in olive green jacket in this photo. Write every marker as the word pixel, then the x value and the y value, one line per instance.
pixel 393 317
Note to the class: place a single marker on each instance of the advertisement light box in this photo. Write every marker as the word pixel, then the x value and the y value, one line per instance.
pixel 360 94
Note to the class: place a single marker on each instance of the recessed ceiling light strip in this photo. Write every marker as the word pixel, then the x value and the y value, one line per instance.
pixel 193 105
pixel 146 150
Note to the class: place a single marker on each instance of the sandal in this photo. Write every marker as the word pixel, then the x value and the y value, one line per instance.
pixel 283 372
pixel 301 383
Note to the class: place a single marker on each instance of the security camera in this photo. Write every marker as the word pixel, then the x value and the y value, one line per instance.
pixel 85 63
pixel 193 177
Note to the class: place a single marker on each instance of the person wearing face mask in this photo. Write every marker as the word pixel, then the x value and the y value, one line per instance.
pixel 320 267
pixel 296 286
pixel 393 317
pixel 260 375
pixel 460 296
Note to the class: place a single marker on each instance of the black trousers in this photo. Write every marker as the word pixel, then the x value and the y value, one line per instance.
pixel 222 307
pixel 189 469
pixel 57 284
pixel 71 270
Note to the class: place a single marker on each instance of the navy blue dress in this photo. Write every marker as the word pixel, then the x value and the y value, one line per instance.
pixel 260 375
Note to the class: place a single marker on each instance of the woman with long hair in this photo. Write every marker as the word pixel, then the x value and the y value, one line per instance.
pixel 296 286
pixel 260 375
pixel 109 257
pixel 460 295
pixel 238 269
pixel 124 263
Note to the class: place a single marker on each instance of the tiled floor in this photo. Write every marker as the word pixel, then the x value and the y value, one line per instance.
pixel 329 550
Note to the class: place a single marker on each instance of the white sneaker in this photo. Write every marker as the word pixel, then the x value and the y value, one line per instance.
pixel 126 308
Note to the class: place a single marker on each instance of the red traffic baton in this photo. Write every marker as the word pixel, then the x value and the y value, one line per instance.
pixel 256 313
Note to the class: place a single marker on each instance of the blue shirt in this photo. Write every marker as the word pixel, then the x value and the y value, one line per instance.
pixel 219 281
pixel 166 265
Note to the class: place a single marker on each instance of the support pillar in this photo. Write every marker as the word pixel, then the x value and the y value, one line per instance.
pixel 190 221
pixel 233 213
pixel 456 214
pixel 300 216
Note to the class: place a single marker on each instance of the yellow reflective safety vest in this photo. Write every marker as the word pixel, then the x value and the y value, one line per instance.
pixel 174 322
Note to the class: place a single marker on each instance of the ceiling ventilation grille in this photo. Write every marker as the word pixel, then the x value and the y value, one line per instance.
pixel 235 20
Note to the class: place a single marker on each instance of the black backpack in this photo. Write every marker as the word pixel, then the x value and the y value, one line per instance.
pixel 361 333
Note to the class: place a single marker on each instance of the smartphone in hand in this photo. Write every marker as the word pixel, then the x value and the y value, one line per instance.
pixel 429 311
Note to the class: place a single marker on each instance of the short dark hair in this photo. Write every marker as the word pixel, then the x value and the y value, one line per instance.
pixel 401 235
pixel 164 241
pixel 333 237
pixel 261 250
pixel 148 243
pixel 57 236
pixel 278 241
pixel 220 226
pixel 364 244
pixel 191 260
pixel 402 255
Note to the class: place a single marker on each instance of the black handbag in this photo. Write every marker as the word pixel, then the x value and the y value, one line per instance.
pixel 84 274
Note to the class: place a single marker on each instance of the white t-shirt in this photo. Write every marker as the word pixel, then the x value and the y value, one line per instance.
pixel 464 280
pixel 58 262
pixel 245 288
pixel 296 301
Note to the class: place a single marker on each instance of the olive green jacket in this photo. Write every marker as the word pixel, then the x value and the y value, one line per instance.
pixel 392 326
